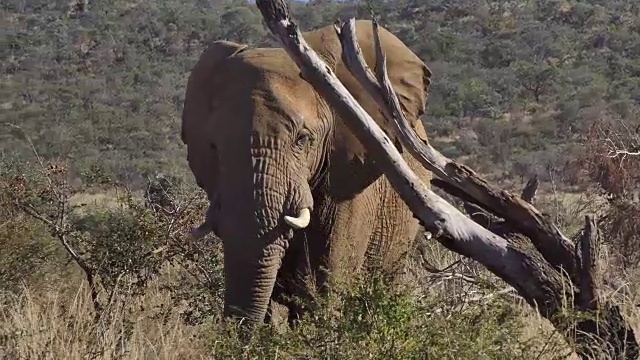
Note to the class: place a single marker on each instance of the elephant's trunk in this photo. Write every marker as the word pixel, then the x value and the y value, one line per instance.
pixel 257 229
pixel 249 283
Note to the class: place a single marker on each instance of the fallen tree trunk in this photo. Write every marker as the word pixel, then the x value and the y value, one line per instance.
pixel 535 257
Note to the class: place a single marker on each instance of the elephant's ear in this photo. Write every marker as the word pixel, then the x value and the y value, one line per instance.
pixel 410 78
pixel 199 89
pixel 412 88
pixel 200 92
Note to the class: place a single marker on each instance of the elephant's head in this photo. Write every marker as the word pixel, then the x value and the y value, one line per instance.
pixel 259 140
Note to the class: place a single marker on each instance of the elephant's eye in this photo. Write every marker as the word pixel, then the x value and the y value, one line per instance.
pixel 303 139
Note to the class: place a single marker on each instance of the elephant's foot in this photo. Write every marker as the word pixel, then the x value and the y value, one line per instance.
pixel 286 312
pixel 299 307
pixel 277 315
pixel 284 317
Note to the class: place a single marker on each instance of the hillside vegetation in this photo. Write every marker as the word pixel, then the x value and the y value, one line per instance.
pixel 92 166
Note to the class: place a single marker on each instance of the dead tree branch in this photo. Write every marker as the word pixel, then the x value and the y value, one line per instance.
pixel 534 260
pixel 452 228
pixel 57 226
pixel 522 215
pixel 586 255
pixel 529 191
pixel 61 234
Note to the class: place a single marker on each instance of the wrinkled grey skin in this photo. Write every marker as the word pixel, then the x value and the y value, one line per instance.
pixel 264 146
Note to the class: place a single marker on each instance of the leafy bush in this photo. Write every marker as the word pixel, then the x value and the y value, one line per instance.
pixel 373 320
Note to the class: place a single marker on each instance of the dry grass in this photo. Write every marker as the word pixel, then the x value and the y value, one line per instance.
pixel 85 201
pixel 59 324
pixel 55 325
pixel 462 311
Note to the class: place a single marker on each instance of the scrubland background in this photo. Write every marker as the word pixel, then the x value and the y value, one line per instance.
pixel 91 166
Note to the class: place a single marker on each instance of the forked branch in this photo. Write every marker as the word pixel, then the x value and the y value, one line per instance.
pixel 554 246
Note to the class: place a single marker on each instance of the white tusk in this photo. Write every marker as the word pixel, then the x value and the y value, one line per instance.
pixel 301 221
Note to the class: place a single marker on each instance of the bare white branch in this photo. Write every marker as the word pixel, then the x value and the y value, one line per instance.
pixel 550 241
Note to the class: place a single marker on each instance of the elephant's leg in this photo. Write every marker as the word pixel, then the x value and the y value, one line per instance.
pixel 342 237
pixel 351 224
pixel 395 229
pixel 334 245
pixel 297 279
pixel 393 233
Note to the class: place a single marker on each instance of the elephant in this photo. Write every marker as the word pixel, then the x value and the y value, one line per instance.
pixel 295 198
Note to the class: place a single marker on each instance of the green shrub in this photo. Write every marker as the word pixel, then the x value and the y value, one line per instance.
pixel 373 320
